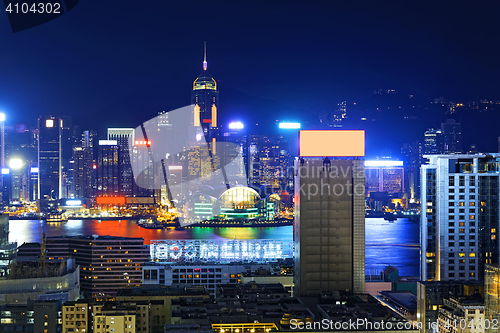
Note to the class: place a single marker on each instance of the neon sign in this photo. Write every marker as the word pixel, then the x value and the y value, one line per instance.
pixel 237 250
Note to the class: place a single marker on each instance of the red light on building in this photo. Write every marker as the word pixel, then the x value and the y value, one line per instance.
pixel 110 200
pixel 142 143
pixel 207 121
pixel 94 166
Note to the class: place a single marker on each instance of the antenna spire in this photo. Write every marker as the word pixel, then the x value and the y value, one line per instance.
pixel 205 57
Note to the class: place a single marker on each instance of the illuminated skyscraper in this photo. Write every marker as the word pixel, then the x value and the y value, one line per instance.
pixel 433 141
pixel 49 158
pixel 460 217
pixel 205 98
pixel 384 176
pixel 108 169
pixel 122 137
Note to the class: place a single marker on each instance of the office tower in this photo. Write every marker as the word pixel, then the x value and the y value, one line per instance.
pixel 122 136
pixel 412 160
pixel 330 213
pixel 433 141
pixel 235 133
pixel 49 158
pixel 108 169
pixel 384 176
pixel 460 218
pixel 269 162
pixel 205 98
pixel 452 136
pixel 83 161
pixel 106 263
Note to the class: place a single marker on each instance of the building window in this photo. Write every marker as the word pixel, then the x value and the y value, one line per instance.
pixel 451 231
pixel 451 197
pixel 451 211
pixel 451 274
pixel 451 244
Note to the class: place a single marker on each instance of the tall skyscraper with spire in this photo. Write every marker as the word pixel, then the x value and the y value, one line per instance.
pixel 205 98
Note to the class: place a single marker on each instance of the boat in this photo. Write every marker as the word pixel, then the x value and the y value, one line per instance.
pixel 55 217
pixel 150 224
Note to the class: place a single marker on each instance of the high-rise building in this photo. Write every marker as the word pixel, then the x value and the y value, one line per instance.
pixel 269 162
pixel 108 169
pixel 412 158
pixel 385 176
pixel 329 215
pixel 205 98
pixel 452 136
pixel 83 161
pixel 433 141
pixel 460 216
pixel 49 158
pixel 123 136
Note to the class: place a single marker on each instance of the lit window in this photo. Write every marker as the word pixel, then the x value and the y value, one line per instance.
pixel 49 123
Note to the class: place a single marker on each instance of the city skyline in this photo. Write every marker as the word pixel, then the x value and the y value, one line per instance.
pixel 136 64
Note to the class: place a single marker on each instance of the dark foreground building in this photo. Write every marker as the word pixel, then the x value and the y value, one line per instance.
pixel 106 263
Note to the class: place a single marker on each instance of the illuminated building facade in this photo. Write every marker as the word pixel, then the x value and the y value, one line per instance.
pixel 433 141
pixel 270 162
pixel 205 98
pixel 384 176
pixel 106 263
pixel 122 137
pixel 492 294
pixel 108 168
pixel 235 203
pixel 460 216
pixel 49 158
pixel 329 213
pixel 237 250
pixel 83 161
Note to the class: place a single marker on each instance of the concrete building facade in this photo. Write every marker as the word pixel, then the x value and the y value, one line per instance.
pixel 329 225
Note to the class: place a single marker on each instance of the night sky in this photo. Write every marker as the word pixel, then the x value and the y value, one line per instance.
pixel 120 62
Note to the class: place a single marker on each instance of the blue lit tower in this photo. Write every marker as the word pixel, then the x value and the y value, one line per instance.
pixel 49 158
pixel 205 97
